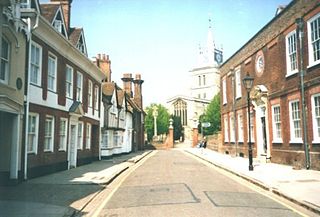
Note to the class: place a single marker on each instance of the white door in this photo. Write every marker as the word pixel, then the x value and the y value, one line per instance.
pixel 262 131
pixel 73 146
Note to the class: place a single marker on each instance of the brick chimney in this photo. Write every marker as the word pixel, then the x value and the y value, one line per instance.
pixel 138 90
pixel 104 63
pixel 66 8
pixel 127 84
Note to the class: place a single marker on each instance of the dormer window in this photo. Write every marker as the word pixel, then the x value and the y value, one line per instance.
pixel 58 25
pixel 81 45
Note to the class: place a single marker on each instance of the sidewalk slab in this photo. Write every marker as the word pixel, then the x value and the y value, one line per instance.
pixel 63 193
pixel 299 186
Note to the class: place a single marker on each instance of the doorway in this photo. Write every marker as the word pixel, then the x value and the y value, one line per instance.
pixel 73 146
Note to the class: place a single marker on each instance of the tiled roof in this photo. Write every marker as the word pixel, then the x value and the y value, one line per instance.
pixel 48 11
pixel 74 35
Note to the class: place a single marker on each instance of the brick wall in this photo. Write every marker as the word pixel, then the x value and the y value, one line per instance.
pixel 270 41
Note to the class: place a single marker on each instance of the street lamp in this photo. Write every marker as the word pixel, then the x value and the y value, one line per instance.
pixel 155 115
pixel 248 82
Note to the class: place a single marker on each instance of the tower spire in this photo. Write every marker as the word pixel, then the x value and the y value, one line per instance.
pixel 210 42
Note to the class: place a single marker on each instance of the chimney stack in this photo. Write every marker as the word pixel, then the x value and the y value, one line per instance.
pixel 104 63
pixel 127 84
pixel 138 90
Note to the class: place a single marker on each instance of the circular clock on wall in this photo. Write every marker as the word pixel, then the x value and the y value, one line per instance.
pixel 259 63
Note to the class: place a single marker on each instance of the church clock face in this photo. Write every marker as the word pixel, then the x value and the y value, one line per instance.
pixel 259 63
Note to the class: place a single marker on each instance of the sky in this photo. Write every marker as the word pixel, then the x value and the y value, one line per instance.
pixel 159 39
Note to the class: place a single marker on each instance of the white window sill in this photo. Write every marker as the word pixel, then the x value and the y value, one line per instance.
pixel 313 64
pixel 62 149
pixel 291 73
pixel 317 141
pixel 295 141
pixel 48 150
pixel 277 141
pixel 32 152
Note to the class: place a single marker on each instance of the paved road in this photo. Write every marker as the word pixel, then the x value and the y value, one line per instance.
pixel 171 183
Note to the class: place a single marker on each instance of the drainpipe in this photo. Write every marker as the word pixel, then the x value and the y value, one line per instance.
pixel 299 22
pixel 30 29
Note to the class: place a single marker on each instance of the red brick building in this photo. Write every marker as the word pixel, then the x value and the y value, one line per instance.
pixel 63 94
pixel 272 58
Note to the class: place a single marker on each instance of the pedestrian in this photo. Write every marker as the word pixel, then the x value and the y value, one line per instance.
pixel 203 144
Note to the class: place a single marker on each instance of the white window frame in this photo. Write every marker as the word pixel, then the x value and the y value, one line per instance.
pixel 49 147
pixel 52 75
pixel 226 129
pixel 5 61
pixel 291 51
pixel 238 83
pixel 90 97
pixel 96 97
pixel 63 135
pixel 57 24
pixel 199 80
pixel 240 127
pixel 312 62
pixel 251 126
pixel 88 136
pixel 315 124
pixel 79 86
pixel 69 94
pixel 224 90
pixel 293 136
pixel 36 65
pixel 276 119
pixel 34 146
pixel 232 129
pixel 204 80
pixel 80 136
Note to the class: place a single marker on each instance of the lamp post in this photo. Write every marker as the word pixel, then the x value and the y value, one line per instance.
pixel 248 82
pixel 155 115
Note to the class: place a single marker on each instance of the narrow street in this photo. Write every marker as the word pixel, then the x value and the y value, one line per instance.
pixel 172 183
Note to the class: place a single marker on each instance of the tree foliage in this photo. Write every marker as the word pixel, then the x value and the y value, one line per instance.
pixel 212 115
pixel 162 120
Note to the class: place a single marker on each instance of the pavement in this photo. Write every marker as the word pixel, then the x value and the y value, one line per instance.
pixel 299 186
pixel 68 192
pixel 64 193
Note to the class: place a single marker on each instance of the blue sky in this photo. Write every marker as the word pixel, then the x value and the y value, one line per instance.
pixel 159 38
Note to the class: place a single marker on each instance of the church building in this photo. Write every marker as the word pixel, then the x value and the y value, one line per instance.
pixel 205 84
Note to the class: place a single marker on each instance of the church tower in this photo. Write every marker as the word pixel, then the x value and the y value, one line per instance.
pixel 205 76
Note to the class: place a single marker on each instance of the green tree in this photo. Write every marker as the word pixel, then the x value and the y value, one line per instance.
pixel 212 115
pixel 162 120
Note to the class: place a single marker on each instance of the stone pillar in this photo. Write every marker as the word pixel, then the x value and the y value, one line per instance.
pixel 170 136
pixel 195 137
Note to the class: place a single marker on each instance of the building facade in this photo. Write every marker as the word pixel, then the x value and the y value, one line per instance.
pixel 13 34
pixel 63 95
pixel 285 84
pixel 122 119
